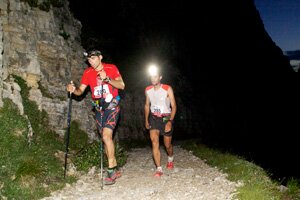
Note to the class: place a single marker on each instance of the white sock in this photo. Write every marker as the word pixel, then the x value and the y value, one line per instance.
pixel 170 158
pixel 159 169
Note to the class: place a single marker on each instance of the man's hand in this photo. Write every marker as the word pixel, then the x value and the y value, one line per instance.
pixel 71 87
pixel 147 125
pixel 168 126
pixel 102 74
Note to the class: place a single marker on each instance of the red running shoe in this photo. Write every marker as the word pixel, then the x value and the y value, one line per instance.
pixel 111 178
pixel 158 174
pixel 170 165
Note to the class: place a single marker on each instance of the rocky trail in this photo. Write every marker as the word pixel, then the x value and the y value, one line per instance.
pixel 191 178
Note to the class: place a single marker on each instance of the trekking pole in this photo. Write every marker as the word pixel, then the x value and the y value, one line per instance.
pixel 68 133
pixel 101 137
pixel 101 158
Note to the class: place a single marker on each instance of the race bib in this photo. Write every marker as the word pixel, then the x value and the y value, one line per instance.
pixel 157 111
pixel 98 91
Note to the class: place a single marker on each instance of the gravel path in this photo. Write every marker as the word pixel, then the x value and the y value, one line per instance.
pixel 191 178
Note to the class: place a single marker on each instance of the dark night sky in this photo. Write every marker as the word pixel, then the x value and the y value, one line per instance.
pixel 282 21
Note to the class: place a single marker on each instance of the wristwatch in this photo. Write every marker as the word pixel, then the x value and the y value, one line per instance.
pixel 107 79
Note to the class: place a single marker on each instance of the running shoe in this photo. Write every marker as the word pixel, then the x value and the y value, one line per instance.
pixel 158 174
pixel 111 178
pixel 170 165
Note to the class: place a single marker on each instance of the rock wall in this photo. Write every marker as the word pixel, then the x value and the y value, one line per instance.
pixel 44 49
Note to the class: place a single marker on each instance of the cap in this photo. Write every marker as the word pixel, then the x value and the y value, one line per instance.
pixel 93 52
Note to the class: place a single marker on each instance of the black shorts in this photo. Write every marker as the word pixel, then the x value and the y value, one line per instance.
pixel 107 118
pixel 159 123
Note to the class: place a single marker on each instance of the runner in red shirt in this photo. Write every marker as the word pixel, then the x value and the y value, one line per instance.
pixel 104 81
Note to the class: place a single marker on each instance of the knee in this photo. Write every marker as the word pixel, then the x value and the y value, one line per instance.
pixel 154 142
pixel 106 138
pixel 168 146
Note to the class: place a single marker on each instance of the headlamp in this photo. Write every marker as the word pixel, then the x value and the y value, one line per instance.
pixel 92 53
pixel 153 70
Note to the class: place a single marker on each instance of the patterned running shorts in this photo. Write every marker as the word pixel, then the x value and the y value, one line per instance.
pixel 107 118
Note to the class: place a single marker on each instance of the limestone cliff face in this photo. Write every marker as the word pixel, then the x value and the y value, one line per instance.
pixel 44 49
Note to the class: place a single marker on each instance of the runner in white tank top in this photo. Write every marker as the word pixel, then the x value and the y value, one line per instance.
pixel 160 101
pixel 160 110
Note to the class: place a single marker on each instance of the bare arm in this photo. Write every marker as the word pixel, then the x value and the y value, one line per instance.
pixel 147 111
pixel 77 91
pixel 173 110
pixel 173 103
pixel 118 83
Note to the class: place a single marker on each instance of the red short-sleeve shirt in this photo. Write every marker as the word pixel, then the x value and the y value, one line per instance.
pixel 91 78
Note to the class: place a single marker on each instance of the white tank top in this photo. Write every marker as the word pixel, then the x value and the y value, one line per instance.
pixel 160 104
